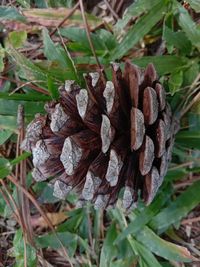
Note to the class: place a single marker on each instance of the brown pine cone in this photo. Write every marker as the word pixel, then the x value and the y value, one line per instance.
pixel 114 135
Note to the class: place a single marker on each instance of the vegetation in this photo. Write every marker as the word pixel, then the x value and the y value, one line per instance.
pixel 41 47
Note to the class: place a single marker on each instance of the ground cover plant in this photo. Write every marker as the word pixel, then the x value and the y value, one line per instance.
pixel 43 44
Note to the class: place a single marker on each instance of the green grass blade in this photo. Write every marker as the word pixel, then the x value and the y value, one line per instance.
pixel 164 64
pixel 108 251
pixel 190 28
pixel 134 10
pixel 139 30
pixel 10 107
pixel 161 247
pixel 144 217
pixel 177 209
pixel 189 139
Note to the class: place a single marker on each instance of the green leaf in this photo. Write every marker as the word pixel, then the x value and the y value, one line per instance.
pixel 18 251
pixel 68 240
pixel 17 38
pixel 189 139
pixel 4 135
pixel 5 167
pixel 177 39
pixel 108 251
pixel 147 259
pixel 2 55
pixel 175 81
pixel 139 30
pixel 54 53
pixel 194 4
pixel 134 10
pixel 190 73
pixel 162 248
pixel 23 156
pixel 108 39
pixel 8 122
pixel 163 64
pixel 51 51
pixel 10 13
pixel 10 107
pixel 140 220
pixel 79 35
pixel 190 28
pixel 52 88
pixel 177 209
pixel 29 70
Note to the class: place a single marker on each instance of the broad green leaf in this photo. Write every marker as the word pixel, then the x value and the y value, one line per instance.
pixel 191 73
pixel 189 139
pixel 108 39
pixel 10 13
pixel 195 4
pixel 9 108
pixel 51 51
pixel 190 28
pixel 5 167
pixel 4 135
pixel 139 30
pixel 163 64
pixel 108 251
pixel 46 196
pixel 175 81
pixel 177 39
pixel 79 35
pixel 73 222
pixel 54 53
pixel 28 70
pixel 19 250
pixel 177 209
pixel 17 38
pixel 68 240
pixel 161 247
pixel 8 122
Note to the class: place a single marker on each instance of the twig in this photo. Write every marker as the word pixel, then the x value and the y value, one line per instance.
pixel 186 221
pixel 193 101
pixel 111 10
pixel 59 25
pixel 89 37
pixel 30 85
pixel 66 18
pixel 22 85
pixel 25 208
pixel 31 198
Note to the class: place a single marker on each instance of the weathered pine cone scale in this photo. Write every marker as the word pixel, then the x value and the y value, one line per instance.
pixel 113 135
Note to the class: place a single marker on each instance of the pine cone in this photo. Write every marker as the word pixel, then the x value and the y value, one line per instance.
pixel 114 135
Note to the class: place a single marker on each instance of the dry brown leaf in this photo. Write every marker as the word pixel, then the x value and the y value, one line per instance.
pixel 51 17
pixel 55 218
